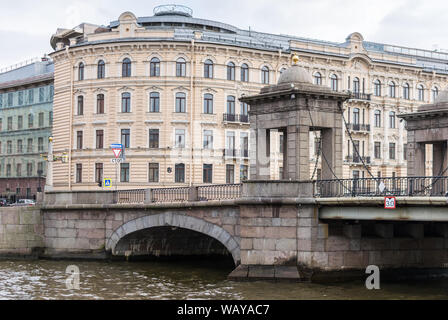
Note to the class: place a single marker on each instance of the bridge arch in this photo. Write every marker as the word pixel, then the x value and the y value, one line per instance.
pixel 170 219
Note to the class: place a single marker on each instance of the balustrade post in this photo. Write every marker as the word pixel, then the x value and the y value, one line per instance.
pixel 148 196
pixel 193 194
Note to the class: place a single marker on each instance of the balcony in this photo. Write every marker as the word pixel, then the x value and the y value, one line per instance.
pixel 361 96
pixel 233 153
pixel 359 127
pixel 355 159
pixel 235 118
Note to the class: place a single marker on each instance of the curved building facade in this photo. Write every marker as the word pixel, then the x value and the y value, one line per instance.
pixel 168 87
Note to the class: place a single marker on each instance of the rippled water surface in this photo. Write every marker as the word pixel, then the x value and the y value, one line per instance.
pixel 183 280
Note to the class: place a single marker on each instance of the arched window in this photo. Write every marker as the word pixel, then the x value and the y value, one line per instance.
pixel 377 88
pixel 244 72
pixel 126 102
pixel 126 67
pixel 208 103
pixel 208 69
pixel 154 67
pixel 377 119
pixel 421 92
pixel 81 71
pixel 230 108
pixel 392 89
pixel 80 105
pixel 356 86
pixel 435 93
pixel 100 104
pixel 265 75
pixel 356 116
pixel 318 78
pixel 406 91
pixel 181 68
pixel 101 69
pixel 181 102
pixel 392 120
pixel 231 71
pixel 154 102
pixel 334 82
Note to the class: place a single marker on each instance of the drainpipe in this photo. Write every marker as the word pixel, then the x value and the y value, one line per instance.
pixel 71 122
pixel 192 71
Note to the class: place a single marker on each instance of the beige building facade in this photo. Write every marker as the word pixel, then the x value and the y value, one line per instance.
pixel 168 87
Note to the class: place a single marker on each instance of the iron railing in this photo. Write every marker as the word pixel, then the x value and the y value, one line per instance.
pixel 357 159
pixel 230 117
pixel 219 192
pixel 378 187
pixel 361 96
pixel 170 194
pixel 129 196
pixel 359 127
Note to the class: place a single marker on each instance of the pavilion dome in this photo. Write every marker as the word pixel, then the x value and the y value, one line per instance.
pixel 442 97
pixel 295 74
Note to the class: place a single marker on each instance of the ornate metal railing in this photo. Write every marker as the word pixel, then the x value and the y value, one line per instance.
pixel 219 192
pixel 359 127
pixel 230 117
pixel 361 96
pixel 170 194
pixel 129 196
pixel 378 187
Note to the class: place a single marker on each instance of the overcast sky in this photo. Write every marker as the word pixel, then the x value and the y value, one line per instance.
pixel 27 25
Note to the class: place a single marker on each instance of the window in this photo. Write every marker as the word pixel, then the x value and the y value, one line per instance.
pixel 244 172
pixel 231 105
pixel 9 147
pixel 356 86
pixel 19 170
pixel 9 128
pixel 126 68
pixel 80 105
pixel 392 150
pixel 153 172
pixel 19 146
pixel 208 139
pixel 318 78
pixel 50 96
pixel 392 89
pixel 334 82
pixel 154 102
pixel 231 71
pixel 280 144
pixel 78 173
pixel 181 102
pixel 244 140
pixel 30 120
pixel 207 173
pixel 435 93
pixel 421 92
pixel 392 120
pixel 244 72
pixel 10 98
pixel 41 94
pixel 1 100
pixel 40 144
pixel 406 91
pixel 100 104
pixel 125 102
pixel 124 172
pixel 356 116
pixel 29 147
pixel 154 67
pixel 30 96
pixel 180 138
pixel 377 119
pixel 8 170
pixel 126 138
pixel 208 103
pixel 377 150
pixel 154 138
pixel 377 88
pixel 98 172
pixel 20 98
pixel 230 174
pixel 20 122
pixel 81 71
pixel 405 151
pixel 265 75
pixel 208 69
pixel 50 118
pixel 79 140
pixel 101 69
pixel 179 173
pixel 99 139
pixel 1 124
pixel 41 119
pixel 29 169
pixel 230 143
pixel 181 67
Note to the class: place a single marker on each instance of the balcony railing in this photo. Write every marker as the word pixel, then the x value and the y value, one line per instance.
pixel 219 192
pixel 361 96
pixel 357 159
pixel 234 153
pixel 241 118
pixel 359 127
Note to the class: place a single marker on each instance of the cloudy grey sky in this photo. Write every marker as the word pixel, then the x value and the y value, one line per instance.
pixel 27 25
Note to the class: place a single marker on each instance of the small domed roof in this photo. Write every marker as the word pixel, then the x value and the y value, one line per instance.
pixel 442 97
pixel 295 74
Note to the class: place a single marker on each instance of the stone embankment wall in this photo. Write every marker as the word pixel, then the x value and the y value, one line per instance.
pixel 21 231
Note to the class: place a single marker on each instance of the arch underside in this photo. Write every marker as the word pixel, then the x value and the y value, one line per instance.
pixel 179 221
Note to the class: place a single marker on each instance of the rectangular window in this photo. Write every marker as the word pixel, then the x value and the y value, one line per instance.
pixel 41 94
pixel 124 172
pixel 40 144
pixel 29 147
pixel 8 170
pixel 50 118
pixel 9 124
pixel 19 170
pixel 154 102
pixel 10 99
pixel 154 138
pixel 1 100
pixel 40 168
pixel 100 104
pixel 30 96
pixel 78 173
pixel 99 139
pixel 180 138
pixel 377 151
pixel 80 105
pixel 180 103
pixel 405 151
pixel 208 139
pixel 244 172
pixel 153 172
pixel 1 124
pixel 282 138
pixel 29 169
pixel 230 144
pixel 230 174
pixel 244 139
pixel 179 173
pixel 208 173
pixel 20 98
pixel 392 150
pixel 19 146
pixel 30 120
pixel 41 119
pixel 9 147
pixel 79 139
pixel 126 138
pixel 98 172
pixel 20 122
pixel 126 103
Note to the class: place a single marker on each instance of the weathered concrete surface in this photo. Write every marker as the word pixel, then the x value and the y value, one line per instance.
pixel 21 231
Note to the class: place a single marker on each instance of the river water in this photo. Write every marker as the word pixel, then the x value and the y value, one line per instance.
pixel 43 279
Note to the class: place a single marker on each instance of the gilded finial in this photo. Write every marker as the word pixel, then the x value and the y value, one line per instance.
pixel 295 59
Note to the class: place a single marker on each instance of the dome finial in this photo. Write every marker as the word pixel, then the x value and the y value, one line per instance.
pixel 295 60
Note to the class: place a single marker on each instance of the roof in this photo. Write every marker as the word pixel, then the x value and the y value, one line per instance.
pixel 35 72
